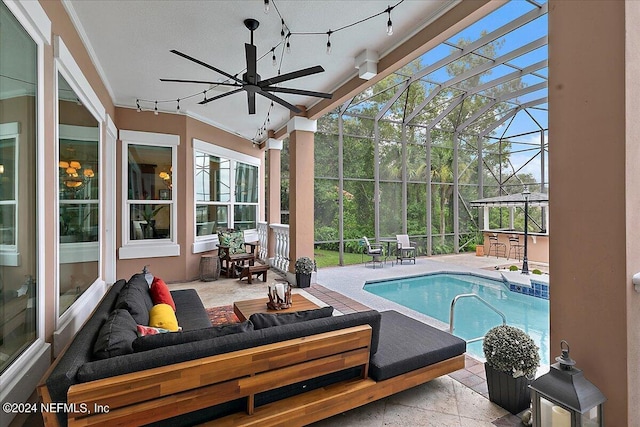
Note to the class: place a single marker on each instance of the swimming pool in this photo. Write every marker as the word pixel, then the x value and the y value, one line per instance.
pixel 432 295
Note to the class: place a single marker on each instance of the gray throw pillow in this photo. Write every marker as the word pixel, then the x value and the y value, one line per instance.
pixel 266 320
pixel 149 342
pixel 116 335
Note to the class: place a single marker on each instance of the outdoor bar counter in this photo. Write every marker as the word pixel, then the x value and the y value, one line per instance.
pixel 537 248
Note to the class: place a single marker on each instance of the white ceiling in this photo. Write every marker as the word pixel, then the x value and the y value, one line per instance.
pixel 130 43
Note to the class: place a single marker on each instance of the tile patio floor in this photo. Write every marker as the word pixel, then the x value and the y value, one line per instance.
pixel 459 399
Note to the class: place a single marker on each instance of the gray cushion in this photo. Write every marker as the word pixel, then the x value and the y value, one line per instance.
pixel 190 312
pixel 80 350
pixel 197 349
pixel 266 320
pixel 407 344
pixel 150 342
pixel 116 335
pixel 135 298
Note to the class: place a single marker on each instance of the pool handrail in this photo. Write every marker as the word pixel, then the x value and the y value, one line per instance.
pixel 452 311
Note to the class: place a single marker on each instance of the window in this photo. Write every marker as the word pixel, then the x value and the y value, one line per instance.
pixel 8 193
pixel 18 192
pixel 78 196
pixel 149 216
pixel 226 187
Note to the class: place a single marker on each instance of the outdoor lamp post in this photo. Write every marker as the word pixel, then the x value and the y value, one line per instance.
pixel 525 262
pixel 564 397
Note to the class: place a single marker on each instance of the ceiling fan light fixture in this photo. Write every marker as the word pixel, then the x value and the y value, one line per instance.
pixel 251 82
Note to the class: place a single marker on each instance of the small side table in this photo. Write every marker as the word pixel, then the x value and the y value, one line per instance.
pixel 209 268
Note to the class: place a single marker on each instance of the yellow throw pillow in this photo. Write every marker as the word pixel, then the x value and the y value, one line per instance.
pixel 163 316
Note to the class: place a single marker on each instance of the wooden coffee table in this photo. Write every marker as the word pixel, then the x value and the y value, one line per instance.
pixel 244 309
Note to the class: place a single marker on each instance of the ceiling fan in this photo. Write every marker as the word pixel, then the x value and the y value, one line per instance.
pixel 251 82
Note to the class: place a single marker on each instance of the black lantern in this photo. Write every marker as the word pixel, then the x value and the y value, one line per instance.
pixel 564 397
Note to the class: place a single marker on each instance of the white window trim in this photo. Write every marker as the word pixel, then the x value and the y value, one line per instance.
pixel 208 243
pixel 9 254
pixel 17 385
pixel 69 322
pixel 134 249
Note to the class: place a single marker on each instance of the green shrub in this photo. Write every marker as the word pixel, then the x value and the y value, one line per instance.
pixel 536 271
pixel 511 350
pixel 513 268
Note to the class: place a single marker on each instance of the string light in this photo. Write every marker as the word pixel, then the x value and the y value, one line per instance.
pixel 285 34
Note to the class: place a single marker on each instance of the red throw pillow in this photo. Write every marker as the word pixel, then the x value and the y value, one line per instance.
pixel 160 293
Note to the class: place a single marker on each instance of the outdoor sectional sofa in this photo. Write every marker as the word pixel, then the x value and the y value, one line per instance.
pixel 292 374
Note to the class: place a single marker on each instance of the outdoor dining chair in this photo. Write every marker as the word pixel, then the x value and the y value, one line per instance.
pixel 374 250
pixel 406 249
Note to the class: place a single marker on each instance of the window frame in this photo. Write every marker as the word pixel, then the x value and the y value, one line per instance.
pixel 134 249
pixel 81 251
pixel 36 358
pixel 209 242
pixel 9 254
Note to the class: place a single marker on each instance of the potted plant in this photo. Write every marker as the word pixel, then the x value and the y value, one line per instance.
pixel 304 267
pixel 512 359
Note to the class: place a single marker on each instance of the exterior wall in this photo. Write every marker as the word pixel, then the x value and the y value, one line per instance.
pixel 594 249
pixel 184 267
pixel 632 168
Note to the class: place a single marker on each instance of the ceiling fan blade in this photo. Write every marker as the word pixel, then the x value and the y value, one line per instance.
pixel 281 101
pixel 290 76
pixel 298 92
pixel 201 81
pixel 208 100
pixel 204 64
pixel 250 53
pixel 251 100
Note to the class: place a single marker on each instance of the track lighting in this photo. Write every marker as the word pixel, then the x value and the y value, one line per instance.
pixel 155 110
pixel 266 6
pixel 329 42
pixel 389 23
pixel 138 105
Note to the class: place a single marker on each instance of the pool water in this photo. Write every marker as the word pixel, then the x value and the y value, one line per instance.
pixel 432 295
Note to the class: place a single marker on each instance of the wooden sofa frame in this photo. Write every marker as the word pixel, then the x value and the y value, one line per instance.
pixel 164 392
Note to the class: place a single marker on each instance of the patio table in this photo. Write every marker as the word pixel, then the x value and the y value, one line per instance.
pixel 388 241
